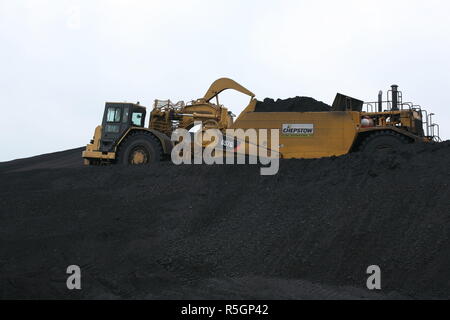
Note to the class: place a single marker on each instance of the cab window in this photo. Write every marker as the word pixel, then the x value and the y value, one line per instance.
pixel 112 128
pixel 137 119
pixel 113 114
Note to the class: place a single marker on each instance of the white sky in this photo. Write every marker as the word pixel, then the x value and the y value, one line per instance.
pixel 60 60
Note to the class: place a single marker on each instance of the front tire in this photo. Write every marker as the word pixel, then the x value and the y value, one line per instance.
pixel 139 149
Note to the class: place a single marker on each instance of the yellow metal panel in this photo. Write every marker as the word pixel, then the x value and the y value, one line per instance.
pixel 223 84
pixel 99 155
pixel 333 132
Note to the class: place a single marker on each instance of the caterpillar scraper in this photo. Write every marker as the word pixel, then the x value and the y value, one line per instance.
pixel 350 125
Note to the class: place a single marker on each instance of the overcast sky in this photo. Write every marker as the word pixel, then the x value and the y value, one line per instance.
pixel 60 60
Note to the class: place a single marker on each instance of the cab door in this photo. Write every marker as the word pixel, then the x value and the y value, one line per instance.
pixel 116 121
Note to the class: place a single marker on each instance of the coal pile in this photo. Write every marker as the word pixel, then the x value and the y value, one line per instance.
pixel 214 232
pixel 64 159
pixel 297 104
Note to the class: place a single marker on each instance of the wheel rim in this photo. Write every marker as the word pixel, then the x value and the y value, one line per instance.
pixel 138 156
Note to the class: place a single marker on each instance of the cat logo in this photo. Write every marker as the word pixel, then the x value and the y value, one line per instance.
pixel 297 130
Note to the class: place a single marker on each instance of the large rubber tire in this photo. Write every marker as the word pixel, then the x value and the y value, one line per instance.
pixel 140 148
pixel 383 141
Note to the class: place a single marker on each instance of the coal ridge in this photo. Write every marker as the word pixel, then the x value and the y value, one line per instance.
pixel 199 232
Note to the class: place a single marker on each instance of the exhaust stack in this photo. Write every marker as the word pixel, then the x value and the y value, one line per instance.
pixel 380 101
pixel 394 97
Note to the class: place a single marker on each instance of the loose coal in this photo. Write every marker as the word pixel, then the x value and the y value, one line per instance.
pixel 297 104
pixel 63 159
pixel 197 232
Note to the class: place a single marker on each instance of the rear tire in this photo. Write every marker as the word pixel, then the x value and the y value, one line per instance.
pixel 139 148
pixel 383 141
